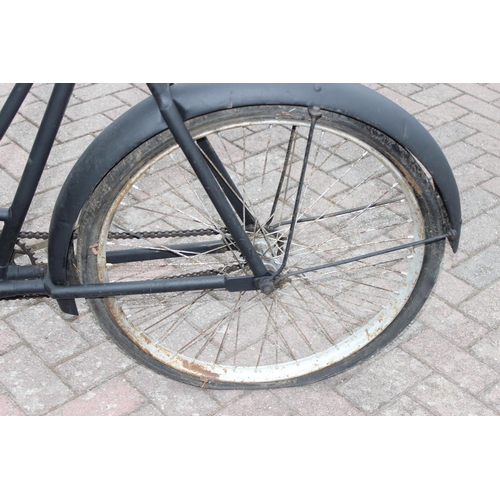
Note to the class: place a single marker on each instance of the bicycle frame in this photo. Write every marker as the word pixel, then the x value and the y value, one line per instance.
pixel 35 280
pixel 16 281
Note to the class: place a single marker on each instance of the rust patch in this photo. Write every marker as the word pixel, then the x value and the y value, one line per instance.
pixel 199 371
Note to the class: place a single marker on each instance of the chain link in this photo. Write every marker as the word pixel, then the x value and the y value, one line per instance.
pixel 212 272
pixel 41 235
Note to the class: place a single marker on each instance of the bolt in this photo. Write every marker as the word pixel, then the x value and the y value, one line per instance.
pixel 266 286
pixel 315 112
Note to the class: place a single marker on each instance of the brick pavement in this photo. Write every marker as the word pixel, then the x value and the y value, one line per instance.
pixel 447 362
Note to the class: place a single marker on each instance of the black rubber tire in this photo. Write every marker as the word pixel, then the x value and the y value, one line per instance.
pixel 411 180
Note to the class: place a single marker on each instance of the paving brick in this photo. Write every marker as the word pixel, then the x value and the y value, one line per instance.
pixel 450 133
pixel 426 85
pixel 492 398
pixel 114 398
pixel 54 177
pixel 93 107
pixel 43 91
pixel 225 397
pixel 143 87
pixel 132 96
pixel 35 112
pixel 90 125
pixel 373 86
pixel 437 94
pixel 439 115
pixel 86 325
pixel 461 153
pixel 404 406
pixel 405 89
pixel 113 114
pixel 147 411
pixel 94 366
pixel 40 223
pixel 480 91
pixel 13 159
pixel 8 337
pixel 452 289
pixel 490 163
pixel 492 86
pixel 47 333
pixel 317 399
pixel 381 381
pixel 258 403
pixel 482 269
pixel 444 398
pixel 27 101
pixel 478 106
pixel 34 387
pixel 489 127
pixel 475 201
pixel 463 312
pixel 171 397
pixel 8 408
pixel 22 133
pixel 493 186
pixel 452 260
pixel 94 91
pixel 488 349
pixel 453 362
pixel 469 176
pixel 6 88
pixel 451 324
pixel 8 307
pixel 69 150
pixel 406 103
pixel 485 307
pixel 479 233
pixel 8 188
pixel 495 212
pixel 42 204
pixel 485 142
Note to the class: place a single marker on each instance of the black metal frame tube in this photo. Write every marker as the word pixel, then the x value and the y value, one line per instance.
pixel 12 105
pixel 26 272
pixel 170 252
pixel 18 281
pixel 33 171
pixel 171 115
pixel 226 183
pixel 15 288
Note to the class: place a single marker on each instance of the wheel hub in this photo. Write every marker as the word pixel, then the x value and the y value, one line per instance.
pixel 270 249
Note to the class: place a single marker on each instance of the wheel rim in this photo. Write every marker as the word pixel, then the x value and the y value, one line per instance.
pixel 311 321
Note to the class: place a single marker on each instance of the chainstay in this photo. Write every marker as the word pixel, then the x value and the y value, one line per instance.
pixel 43 235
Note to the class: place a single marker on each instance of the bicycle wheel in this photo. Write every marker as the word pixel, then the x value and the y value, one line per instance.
pixel 362 193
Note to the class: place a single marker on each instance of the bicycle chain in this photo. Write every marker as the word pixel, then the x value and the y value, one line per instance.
pixel 43 235
pixel 214 272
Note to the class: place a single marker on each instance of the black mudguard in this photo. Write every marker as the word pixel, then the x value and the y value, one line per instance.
pixel 144 121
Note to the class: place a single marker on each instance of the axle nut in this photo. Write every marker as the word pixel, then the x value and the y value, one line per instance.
pixel 266 287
